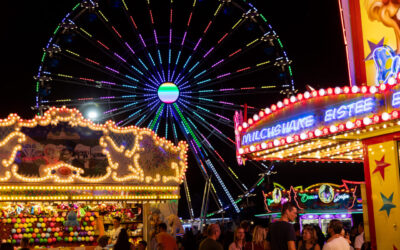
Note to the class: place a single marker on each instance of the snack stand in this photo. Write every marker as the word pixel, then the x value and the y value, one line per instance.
pixel 317 204
pixel 63 178
pixel 342 124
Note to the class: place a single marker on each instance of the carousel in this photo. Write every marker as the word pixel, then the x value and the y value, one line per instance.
pixel 64 178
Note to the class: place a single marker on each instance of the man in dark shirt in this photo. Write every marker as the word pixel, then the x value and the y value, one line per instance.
pixel 281 235
pixel 211 243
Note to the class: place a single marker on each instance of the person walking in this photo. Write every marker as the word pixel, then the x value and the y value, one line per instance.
pixel 239 240
pixel 310 239
pixel 123 241
pixel 359 241
pixel 116 230
pixel 211 243
pixel 165 241
pixel 281 235
pixel 336 240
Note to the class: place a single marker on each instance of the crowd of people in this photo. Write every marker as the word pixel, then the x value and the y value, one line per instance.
pixel 279 235
pixel 283 234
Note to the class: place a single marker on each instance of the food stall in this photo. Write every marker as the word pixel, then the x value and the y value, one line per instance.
pixel 342 125
pixel 63 178
pixel 317 204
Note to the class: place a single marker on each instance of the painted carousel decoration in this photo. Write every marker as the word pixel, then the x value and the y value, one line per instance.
pixel 61 148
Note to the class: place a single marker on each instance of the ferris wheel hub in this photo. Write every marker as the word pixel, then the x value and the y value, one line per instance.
pixel 168 92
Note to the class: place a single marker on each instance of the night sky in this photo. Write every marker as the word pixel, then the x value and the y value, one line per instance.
pixel 310 31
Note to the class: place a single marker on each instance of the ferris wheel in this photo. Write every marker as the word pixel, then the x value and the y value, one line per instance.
pixel 178 67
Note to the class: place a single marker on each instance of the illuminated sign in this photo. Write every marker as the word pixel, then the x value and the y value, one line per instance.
pixel 339 197
pixel 307 197
pixel 326 193
pixel 279 129
pixel 276 195
pixel 349 110
pixel 396 99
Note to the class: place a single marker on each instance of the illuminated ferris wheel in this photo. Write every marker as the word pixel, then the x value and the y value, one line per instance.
pixel 180 68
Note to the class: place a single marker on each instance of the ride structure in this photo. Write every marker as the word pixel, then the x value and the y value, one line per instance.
pixel 179 68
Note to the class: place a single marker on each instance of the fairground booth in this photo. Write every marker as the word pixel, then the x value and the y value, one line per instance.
pixel 64 178
pixel 317 204
pixel 354 123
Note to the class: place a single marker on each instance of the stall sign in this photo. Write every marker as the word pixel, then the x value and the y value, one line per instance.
pixel 324 112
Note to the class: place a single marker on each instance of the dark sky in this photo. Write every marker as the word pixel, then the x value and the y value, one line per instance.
pixel 310 31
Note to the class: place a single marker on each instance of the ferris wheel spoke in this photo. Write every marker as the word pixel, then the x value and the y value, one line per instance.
pixel 83 82
pixel 183 40
pixel 200 156
pixel 250 90
pixel 123 43
pixel 207 125
pixel 220 62
pixel 214 103
pixel 147 113
pixel 156 40
pixel 188 59
pixel 204 57
pixel 197 156
pixel 223 166
pixel 92 83
pixel 114 55
pixel 170 42
pixel 207 113
pixel 107 70
pixel 139 37
pixel 233 74
pixel 131 106
pixel 210 128
pixel 211 150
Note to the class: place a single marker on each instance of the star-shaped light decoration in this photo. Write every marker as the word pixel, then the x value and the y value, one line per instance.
pixel 372 47
pixel 380 167
pixel 387 203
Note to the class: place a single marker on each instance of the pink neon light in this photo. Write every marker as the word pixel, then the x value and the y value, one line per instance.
pixel 122 59
pixel 86 79
pixel 222 38
pixel 141 39
pixel 240 70
pixel 208 26
pixel 208 52
pixel 133 22
pixel 197 44
pixel 190 18
pixel 151 17
pixel 129 47
pixel 228 103
pixel 155 36
pixel 215 64
pixel 223 75
pixel 184 37
pixel 89 60
pixel 115 30
pixel 237 51
pixel 102 44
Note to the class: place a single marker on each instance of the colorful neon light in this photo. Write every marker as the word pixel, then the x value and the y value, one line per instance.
pixel 279 129
pixel 348 110
pixel 168 92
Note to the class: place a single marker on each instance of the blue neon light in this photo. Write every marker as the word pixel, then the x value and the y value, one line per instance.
pixel 279 129
pixel 351 109
pixel 396 99
pixel 387 63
